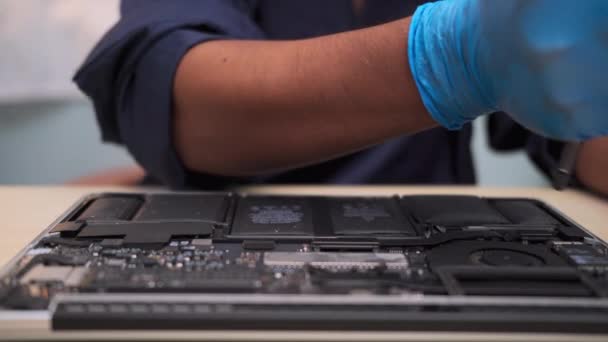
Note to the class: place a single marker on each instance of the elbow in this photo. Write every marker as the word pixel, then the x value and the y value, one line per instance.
pixel 218 161
pixel 226 165
pixel 210 148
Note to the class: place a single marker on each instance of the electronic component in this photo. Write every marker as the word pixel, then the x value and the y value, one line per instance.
pixel 166 207
pixel 524 212
pixel 452 210
pixel 67 275
pixel 111 208
pixel 237 279
pixel 126 257
pixel 146 233
pixel 368 216
pixel 263 216
pixel 41 273
pixel 111 243
pixel 335 260
pixel 202 242
pixel 584 256
pixel 492 253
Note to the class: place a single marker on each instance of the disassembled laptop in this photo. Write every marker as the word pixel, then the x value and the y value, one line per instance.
pixel 236 261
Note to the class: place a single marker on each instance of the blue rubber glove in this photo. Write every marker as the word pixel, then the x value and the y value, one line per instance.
pixel 544 62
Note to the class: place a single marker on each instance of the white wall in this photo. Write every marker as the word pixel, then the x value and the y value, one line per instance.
pixel 43 143
pixel 43 41
pixel 47 128
pixel 502 169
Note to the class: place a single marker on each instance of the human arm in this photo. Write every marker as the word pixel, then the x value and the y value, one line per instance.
pixel 466 61
pixel 120 176
pixel 129 75
pixel 592 165
pixel 249 107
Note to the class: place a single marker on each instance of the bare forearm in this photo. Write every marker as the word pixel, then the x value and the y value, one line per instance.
pixel 246 107
pixel 592 165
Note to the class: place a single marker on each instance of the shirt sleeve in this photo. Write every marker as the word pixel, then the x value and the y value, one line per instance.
pixel 129 74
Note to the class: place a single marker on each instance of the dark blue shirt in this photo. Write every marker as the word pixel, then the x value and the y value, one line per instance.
pixel 129 77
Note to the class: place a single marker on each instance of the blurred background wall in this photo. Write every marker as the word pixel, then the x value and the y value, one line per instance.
pixel 48 132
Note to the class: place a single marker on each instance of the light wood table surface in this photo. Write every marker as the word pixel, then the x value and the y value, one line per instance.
pixel 26 211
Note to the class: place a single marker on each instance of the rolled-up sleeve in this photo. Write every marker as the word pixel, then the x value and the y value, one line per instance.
pixel 129 74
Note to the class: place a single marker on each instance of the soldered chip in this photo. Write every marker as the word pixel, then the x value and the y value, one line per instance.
pixel 335 260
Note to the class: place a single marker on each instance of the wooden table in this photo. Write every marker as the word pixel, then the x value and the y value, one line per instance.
pixel 26 211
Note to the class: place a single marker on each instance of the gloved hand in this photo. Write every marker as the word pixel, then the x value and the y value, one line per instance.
pixel 544 62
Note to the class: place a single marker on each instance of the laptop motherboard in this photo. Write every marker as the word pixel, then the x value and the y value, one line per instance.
pixel 237 261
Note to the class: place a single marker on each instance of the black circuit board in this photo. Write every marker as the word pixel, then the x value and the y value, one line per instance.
pixel 229 243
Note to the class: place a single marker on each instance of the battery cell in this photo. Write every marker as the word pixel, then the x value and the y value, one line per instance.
pixel 367 216
pixel 267 215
